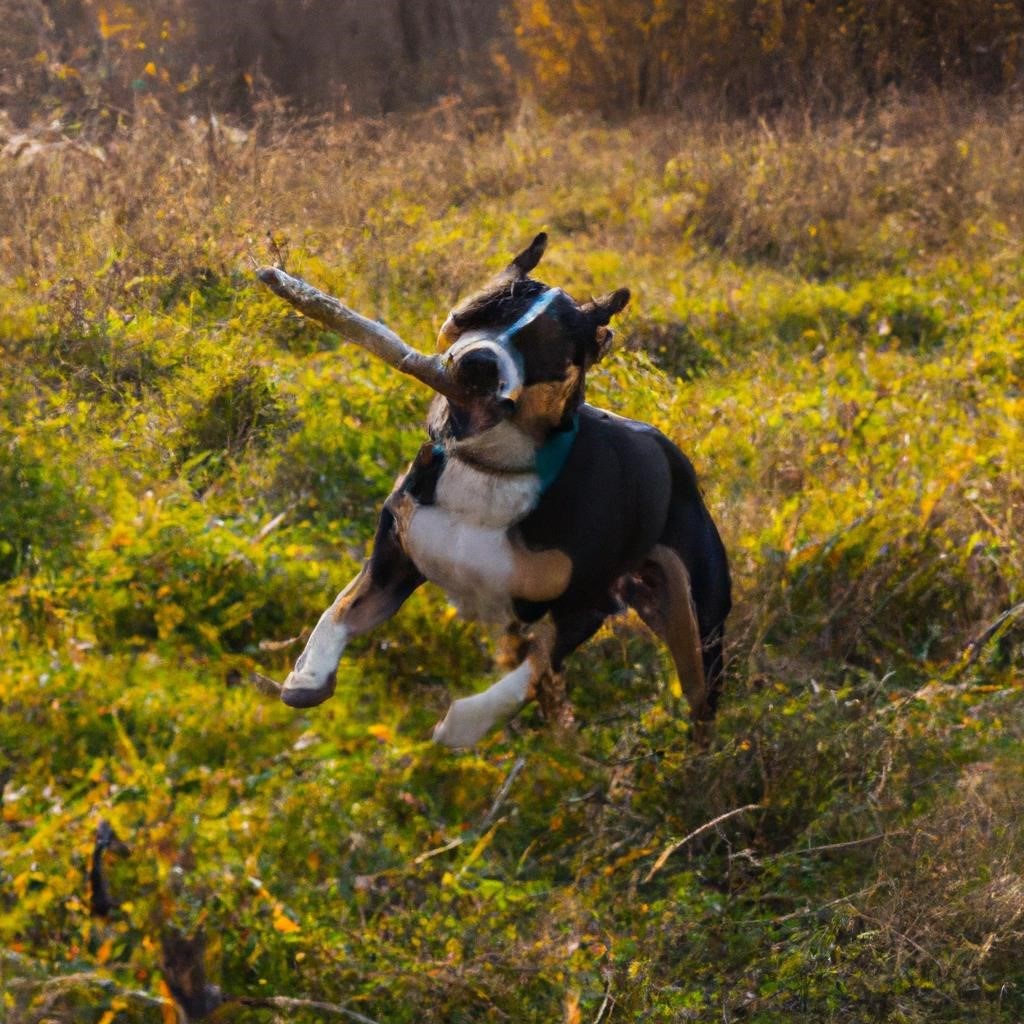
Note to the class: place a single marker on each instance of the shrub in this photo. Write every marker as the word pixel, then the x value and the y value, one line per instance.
pixel 41 508
pixel 242 411
pixel 179 574
pixel 759 55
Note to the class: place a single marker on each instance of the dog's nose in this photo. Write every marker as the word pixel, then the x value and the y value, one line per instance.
pixel 477 370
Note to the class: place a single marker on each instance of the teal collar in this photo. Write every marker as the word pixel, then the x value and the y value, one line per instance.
pixel 552 454
pixel 547 463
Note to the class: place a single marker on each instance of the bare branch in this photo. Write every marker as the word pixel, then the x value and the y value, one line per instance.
pixel 977 646
pixel 706 827
pixel 829 847
pixel 486 822
pixel 54 988
pixel 267 528
pixel 368 334
pixel 503 793
pixel 64 984
pixel 288 1003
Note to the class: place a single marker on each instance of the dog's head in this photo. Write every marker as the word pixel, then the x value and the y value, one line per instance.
pixel 520 349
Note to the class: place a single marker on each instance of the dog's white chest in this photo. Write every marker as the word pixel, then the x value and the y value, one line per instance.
pixel 461 542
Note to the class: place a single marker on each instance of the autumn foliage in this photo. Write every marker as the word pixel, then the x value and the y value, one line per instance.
pixel 760 55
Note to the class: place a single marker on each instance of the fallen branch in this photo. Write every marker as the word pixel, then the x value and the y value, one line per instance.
pixel 361 331
pixel 974 649
pixel 54 988
pixel 706 827
pixel 503 793
pixel 830 847
pixel 486 822
pixel 804 911
pixel 606 1003
pixel 289 1003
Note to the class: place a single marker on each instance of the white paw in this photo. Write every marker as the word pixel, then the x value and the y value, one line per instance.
pixel 306 690
pixel 462 727
pixel 469 719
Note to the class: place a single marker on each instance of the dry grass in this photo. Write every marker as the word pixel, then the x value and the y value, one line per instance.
pixel 917 179
pixel 950 891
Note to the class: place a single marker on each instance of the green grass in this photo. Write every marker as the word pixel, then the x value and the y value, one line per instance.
pixel 851 397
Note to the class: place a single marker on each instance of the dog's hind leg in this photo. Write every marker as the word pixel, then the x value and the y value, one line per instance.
pixel 383 584
pixel 469 719
pixel 660 592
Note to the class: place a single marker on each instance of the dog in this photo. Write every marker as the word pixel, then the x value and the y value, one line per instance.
pixel 539 512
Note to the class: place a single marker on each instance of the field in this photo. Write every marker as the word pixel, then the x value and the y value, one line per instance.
pixel 827 317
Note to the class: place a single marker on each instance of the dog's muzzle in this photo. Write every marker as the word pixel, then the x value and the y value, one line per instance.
pixel 486 368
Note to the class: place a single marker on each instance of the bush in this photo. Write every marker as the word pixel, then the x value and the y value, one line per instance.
pixel 760 55
pixel 174 573
pixel 41 508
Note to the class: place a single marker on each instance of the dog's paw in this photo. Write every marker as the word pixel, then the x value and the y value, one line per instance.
pixel 462 726
pixel 305 690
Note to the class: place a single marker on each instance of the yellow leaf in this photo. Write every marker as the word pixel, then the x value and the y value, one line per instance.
pixel 150 69
pixel 572 1007
pixel 381 732
pixel 168 1008
pixel 283 923
pixel 108 29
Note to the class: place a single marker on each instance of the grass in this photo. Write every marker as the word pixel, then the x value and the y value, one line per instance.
pixel 826 317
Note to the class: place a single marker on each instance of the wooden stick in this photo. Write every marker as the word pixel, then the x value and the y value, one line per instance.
pixel 361 331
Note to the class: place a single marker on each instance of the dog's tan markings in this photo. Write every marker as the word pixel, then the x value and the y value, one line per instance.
pixel 469 719
pixel 448 334
pixel 670 616
pixel 539 575
pixel 362 605
pixel 513 646
pixel 542 406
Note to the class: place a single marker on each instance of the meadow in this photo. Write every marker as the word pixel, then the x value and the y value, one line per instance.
pixel 827 316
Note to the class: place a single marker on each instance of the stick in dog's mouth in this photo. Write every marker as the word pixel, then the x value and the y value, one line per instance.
pixel 368 334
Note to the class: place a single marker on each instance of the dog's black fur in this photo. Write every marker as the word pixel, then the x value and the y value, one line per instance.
pixel 624 507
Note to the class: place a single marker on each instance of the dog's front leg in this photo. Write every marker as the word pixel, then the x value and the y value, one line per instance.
pixel 469 719
pixel 383 584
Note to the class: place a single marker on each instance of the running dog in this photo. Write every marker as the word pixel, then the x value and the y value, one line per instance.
pixel 534 510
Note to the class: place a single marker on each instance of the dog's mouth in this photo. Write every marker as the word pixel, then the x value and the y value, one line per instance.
pixel 478 415
pixel 490 376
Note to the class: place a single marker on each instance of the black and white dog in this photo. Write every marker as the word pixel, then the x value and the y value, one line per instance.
pixel 539 512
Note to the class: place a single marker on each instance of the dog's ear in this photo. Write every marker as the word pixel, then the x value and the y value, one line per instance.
pixel 519 269
pixel 599 312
